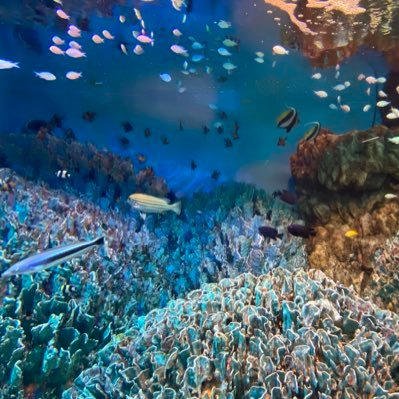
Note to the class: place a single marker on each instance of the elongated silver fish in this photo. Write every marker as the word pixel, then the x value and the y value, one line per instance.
pixel 51 257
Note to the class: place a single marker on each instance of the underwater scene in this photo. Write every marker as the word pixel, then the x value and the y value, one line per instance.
pixel 199 199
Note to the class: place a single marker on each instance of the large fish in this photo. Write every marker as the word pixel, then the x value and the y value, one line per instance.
pixel 149 204
pixel 51 257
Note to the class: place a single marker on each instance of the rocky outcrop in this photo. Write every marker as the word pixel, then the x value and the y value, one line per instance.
pixel 102 176
pixel 342 182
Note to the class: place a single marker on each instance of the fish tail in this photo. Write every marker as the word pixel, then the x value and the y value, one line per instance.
pixel 99 241
pixel 176 207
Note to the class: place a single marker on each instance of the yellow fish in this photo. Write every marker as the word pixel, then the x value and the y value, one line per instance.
pixel 351 233
pixel 149 204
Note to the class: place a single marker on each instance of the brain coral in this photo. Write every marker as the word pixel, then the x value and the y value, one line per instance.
pixel 280 335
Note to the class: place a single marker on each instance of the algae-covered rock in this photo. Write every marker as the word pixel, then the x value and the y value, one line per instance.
pixel 342 182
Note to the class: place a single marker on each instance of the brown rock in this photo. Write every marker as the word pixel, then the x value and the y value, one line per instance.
pixel 341 183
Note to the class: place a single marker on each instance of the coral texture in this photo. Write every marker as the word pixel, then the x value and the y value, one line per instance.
pixel 143 265
pixel 342 182
pixel 101 175
pixel 383 285
pixel 280 335
pixel 44 342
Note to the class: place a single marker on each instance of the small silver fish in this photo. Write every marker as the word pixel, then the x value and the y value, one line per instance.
pixel 51 257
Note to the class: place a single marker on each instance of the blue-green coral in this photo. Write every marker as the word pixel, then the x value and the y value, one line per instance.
pixel 134 273
pixel 44 341
pixel 250 337
pixel 280 335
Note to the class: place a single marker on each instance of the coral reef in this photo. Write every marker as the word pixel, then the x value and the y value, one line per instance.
pixel 44 342
pixel 384 281
pixel 342 182
pixel 101 175
pixel 91 328
pixel 280 335
pixel 143 265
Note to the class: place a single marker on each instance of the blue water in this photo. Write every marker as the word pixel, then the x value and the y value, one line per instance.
pixel 253 95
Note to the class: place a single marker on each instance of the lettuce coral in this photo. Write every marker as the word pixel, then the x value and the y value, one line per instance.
pixel 278 335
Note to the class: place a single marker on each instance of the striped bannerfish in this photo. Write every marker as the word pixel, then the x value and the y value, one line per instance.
pixel 51 257
pixel 312 133
pixel 288 119
pixel 149 204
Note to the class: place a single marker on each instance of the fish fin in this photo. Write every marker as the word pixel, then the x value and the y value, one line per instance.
pixel 99 241
pixel 176 207
pixel 280 236
pixel 167 200
pixel 289 128
pixel 143 215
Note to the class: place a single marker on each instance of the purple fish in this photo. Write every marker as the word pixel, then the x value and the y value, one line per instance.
pixel 299 230
pixel 269 232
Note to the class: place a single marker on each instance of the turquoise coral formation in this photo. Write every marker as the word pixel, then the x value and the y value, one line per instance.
pixel 279 335
pixel 44 341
